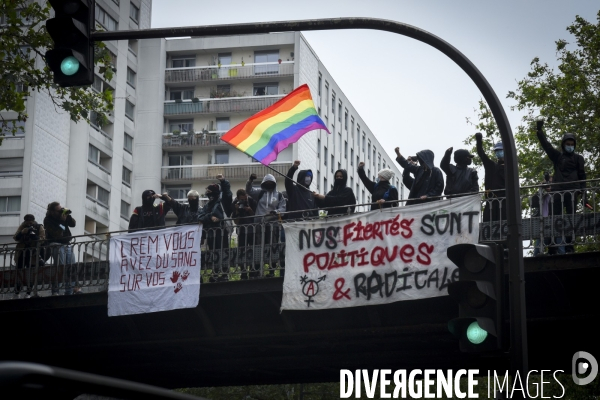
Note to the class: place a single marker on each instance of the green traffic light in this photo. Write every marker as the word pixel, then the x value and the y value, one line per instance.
pixel 475 334
pixel 69 66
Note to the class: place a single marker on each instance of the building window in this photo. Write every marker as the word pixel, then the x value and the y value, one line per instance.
pixel 333 102
pixel 224 58
pixel 101 160
pixel 320 83
pixel 318 180
pixel 182 126
pixel 326 98
pixel 178 192
pixel 221 156
pixel 378 161
pixel 125 209
pixel 103 196
pixel 10 204
pixel 363 141
pixel 108 22
pixel 132 46
pixel 374 151
pixel 128 143
pixel 131 77
pixel 352 157
pixel 369 150
pixel 352 128
pixel 345 149
pixel 340 112
pixel 351 182
pixel 134 13
pixel 346 120
pixel 266 89
pixel 325 154
pixel 7 126
pixel 126 179
pixel 181 94
pixel 129 110
pixel 183 61
pixel 93 154
pixel 318 148
pixel 325 184
pixel 269 56
pixel 223 124
pixel 332 162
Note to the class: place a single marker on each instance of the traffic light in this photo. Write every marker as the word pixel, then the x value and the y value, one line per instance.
pixel 72 59
pixel 479 293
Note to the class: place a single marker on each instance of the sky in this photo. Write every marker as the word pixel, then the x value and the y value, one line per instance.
pixel 411 95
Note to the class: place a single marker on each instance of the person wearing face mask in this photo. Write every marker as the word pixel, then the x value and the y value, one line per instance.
pixel 211 216
pixel 341 196
pixel 149 215
pixel 428 181
pixel 460 178
pixel 186 213
pixel 495 205
pixel 299 195
pixel 569 167
pixel 269 204
pixel 382 191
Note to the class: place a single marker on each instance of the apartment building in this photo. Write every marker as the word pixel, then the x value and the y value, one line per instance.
pixel 87 167
pixel 193 90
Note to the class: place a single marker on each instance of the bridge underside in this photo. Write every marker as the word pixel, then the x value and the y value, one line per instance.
pixel 237 336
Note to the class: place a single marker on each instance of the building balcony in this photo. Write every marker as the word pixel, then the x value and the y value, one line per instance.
pixel 181 174
pixel 222 105
pixel 197 140
pixel 97 210
pixel 212 73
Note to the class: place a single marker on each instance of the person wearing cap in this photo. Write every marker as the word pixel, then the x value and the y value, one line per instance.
pixel 460 179
pixel 299 195
pixel 495 205
pixel 212 216
pixel 569 174
pixel 428 181
pixel 149 215
pixel 382 191
pixel 28 236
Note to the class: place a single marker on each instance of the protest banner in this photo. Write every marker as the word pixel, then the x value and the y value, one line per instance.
pixel 377 257
pixel 156 270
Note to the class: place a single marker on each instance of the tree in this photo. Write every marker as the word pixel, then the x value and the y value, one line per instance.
pixel 24 70
pixel 568 100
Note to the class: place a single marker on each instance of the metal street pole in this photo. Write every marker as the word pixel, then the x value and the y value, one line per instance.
pixel 518 321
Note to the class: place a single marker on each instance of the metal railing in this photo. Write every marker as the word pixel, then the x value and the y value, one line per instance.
pixel 220 105
pixel 210 171
pixel 194 140
pixel 256 247
pixel 229 72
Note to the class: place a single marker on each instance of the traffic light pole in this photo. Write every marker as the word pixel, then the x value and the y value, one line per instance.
pixel 518 321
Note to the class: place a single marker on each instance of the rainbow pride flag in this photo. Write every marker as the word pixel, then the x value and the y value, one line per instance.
pixel 270 131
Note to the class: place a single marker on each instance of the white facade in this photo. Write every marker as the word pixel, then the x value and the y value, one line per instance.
pixel 211 85
pixel 79 165
pixel 199 86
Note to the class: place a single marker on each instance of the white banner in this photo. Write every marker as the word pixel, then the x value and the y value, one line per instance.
pixel 154 271
pixel 377 257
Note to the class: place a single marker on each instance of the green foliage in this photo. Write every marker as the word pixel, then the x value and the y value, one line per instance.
pixel 24 71
pixel 567 99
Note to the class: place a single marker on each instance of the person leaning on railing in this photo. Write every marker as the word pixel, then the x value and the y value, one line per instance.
pixel 57 222
pixel 29 235
pixel 428 182
pixel 382 191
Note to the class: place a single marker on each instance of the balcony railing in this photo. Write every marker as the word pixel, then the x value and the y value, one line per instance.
pixel 229 72
pixel 221 105
pixel 194 140
pixel 229 171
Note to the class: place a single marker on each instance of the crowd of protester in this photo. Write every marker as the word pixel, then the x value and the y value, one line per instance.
pixel 258 210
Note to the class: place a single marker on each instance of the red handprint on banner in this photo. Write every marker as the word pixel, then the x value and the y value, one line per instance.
pixel 178 287
pixel 185 275
pixel 175 277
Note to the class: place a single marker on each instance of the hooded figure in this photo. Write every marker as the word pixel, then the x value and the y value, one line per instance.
pixel 459 178
pixel 300 198
pixel 149 215
pixel 569 167
pixel 340 195
pixel 428 181
pixel 495 206
pixel 268 200
pixel 380 190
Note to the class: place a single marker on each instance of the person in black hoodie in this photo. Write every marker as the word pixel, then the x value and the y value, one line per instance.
pixel 149 215
pixel 460 178
pixel 569 167
pixel 211 216
pixel 299 198
pixel 341 197
pixel 428 183
pixel 382 191
pixel 495 206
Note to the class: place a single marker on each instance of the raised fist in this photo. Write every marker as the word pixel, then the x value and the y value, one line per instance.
pixel 297 163
pixel 478 136
pixel 361 164
pixel 252 177
pixel 219 176
pixel 397 150
pixel 450 150
pixel 540 124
